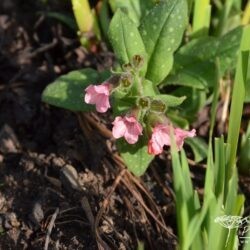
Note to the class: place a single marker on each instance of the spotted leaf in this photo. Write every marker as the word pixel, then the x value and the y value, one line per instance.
pixel 135 156
pixel 67 91
pixel 126 39
pixel 162 30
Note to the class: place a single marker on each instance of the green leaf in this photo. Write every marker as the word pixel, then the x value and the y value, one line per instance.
pixel 209 48
pixel 135 156
pixel 68 20
pixel 244 156
pixel 170 100
pixel 67 91
pixel 219 166
pixel 103 19
pixel 191 72
pixel 122 105
pixel 149 89
pixel 135 9
pixel 177 119
pixel 199 148
pixel 83 15
pixel 195 101
pixel 238 95
pixel 181 198
pixel 201 18
pixel 162 30
pixel 126 39
pixel 247 97
pixel 195 224
pixel 194 63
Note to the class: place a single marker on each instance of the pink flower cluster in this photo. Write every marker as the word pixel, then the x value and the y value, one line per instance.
pixel 129 128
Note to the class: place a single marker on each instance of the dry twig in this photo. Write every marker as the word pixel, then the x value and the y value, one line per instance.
pixel 104 207
pixel 49 230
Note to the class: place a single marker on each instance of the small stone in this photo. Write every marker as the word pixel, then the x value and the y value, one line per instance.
pixel 2 201
pixel 27 163
pixel 8 140
pixel 37 214
pixel 10 221
pixel 69 177
pixel 58 161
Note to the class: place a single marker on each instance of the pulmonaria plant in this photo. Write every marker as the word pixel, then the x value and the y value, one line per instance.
pixel 145 112
pixel 145 52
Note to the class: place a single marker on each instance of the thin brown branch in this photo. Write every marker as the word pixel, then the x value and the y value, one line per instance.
pixel 50 227
pixel 104 206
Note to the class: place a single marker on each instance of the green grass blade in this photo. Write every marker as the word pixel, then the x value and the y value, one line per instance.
pixel 215 100
pixel 201 19
pixel 83 15
pixel 238 99
pixel 247 244
pixel 219 166
pixel 209 179
pixel 223 17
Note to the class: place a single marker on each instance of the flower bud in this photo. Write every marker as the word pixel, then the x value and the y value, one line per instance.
pixel 144 102
pixel 137 61
pixel 127 67
pixel 158 106
pixel 126 80
pixel 153 119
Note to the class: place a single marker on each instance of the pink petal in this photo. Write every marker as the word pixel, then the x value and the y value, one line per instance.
pixel 119 127
pixel 102 88
pixel 102 103
pixel 117 119
pixel 154 148
pixel 134 129
pixel 130 119
pixel 159 138
pixel 89 88
pixel 91 95
pixel 181 135
pixel 127 127
pixel 130 138
pixel 99 95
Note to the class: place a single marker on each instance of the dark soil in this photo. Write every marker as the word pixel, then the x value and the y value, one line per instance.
pixel 57 168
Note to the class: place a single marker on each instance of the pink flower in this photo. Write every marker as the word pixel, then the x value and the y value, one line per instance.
pixel 161 136
pixel 181 135
pixel 98 95
pixel 127 127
